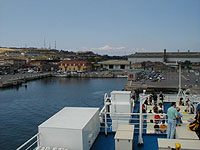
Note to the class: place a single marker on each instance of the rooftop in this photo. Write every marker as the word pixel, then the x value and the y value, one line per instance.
pixel 64 119
pixel 115 62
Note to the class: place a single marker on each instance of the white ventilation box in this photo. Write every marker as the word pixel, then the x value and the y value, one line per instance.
pixel 74 128
pixel 120 103
pixel 121 96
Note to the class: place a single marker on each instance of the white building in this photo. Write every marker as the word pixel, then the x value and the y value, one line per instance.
pixel 115 65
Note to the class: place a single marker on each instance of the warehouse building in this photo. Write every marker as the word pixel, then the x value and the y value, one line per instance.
pixel 166 57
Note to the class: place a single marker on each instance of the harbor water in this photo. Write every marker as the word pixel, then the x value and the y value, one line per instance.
pixel 23 109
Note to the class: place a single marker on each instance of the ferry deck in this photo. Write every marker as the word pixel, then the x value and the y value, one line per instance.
pixel 121 120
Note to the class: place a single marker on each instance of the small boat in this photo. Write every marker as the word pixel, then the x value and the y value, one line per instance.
pixel 64 75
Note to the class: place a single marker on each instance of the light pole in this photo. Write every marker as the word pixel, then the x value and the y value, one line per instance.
pixel 179 85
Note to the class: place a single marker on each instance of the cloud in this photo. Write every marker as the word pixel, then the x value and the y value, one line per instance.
pixel 110 50
pixel 139 50
pixel 107 47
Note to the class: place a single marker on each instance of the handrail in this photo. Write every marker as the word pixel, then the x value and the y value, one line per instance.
pixel 28 142
pixel 102 110
pixel 31 145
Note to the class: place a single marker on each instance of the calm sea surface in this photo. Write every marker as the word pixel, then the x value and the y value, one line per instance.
pixel 23 109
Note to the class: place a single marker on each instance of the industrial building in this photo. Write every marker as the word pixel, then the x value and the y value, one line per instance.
pixel 166 57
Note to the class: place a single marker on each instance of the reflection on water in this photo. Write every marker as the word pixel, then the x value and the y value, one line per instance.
pixel 23 109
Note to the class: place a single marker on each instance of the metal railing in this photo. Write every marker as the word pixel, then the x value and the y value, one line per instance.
pixel 145 121
pixel 28 142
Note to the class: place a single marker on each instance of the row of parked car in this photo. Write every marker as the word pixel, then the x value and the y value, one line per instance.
pixel 155 76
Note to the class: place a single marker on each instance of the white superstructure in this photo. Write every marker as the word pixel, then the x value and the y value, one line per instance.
pixel 74 128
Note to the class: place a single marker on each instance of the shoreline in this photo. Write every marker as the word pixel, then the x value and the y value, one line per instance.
pixel 19 78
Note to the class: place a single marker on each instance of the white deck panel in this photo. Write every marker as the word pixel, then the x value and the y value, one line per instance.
pixel 182 132
pixel 149 107
pixel 187 117
pixel 125 127
pixel 185 144
pixel 119 97
pixel 124 135
pixel 150 126
pixel 170 98
pixel 71 118
pixel 182 108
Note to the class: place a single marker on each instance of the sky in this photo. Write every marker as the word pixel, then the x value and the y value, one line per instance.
pixel 113 27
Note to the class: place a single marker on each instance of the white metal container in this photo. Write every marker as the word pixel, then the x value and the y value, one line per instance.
pixel 124 140
pixel 116 123
pixel 121 96
pixel 75 128
pixel 120 103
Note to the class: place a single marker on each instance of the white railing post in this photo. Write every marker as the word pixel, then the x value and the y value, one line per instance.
pixel 38 141
pixel 140 140
pixel 106 124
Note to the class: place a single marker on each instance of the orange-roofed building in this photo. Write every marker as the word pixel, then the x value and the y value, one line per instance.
pixel 75 65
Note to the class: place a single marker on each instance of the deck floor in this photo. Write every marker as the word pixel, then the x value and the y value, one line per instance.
pixel 104 142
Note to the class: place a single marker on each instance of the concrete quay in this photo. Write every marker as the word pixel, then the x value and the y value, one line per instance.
pixel 19 78
pixel 171 83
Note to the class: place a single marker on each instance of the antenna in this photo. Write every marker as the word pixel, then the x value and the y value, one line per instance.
pixel 55 45
pixel 44 43
pixel 49 45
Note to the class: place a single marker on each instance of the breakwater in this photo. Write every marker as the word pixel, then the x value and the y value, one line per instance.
pixel 18 79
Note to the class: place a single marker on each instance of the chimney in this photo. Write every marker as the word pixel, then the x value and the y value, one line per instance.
pixel 164 56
